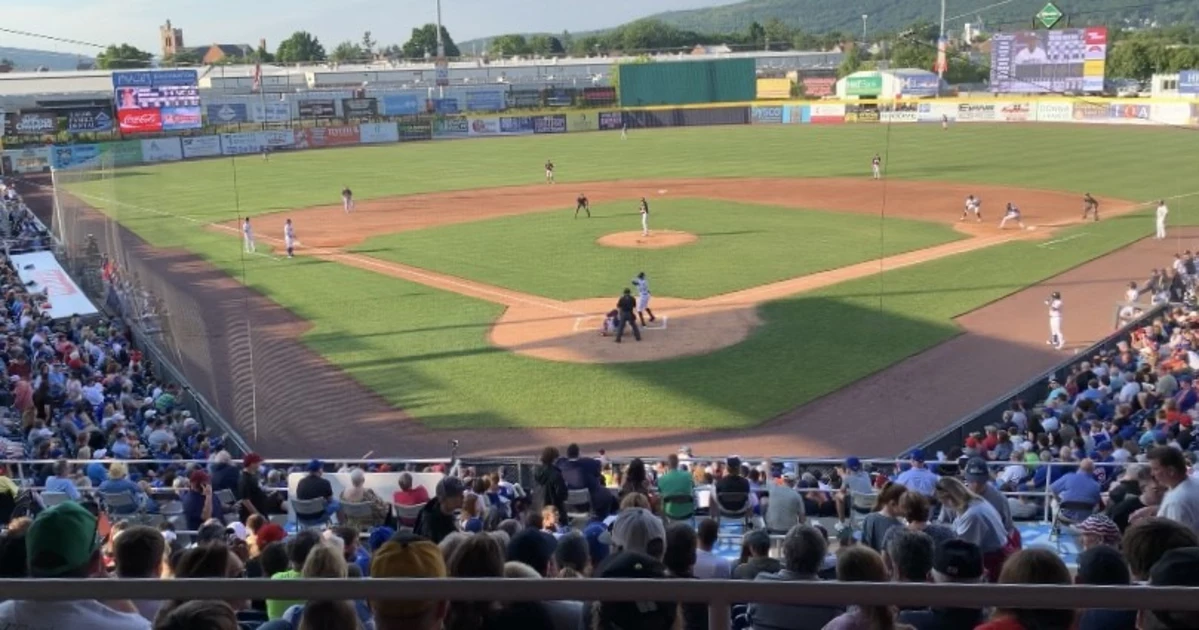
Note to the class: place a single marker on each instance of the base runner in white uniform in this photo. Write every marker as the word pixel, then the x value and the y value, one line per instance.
pixel 1012 214
pixel 1056 339
pixel 1162 213
pixel 973 206
pixel 289 238
pixel 643 298
pixel 247 234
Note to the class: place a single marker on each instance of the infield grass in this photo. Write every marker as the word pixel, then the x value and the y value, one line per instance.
pixel 427 351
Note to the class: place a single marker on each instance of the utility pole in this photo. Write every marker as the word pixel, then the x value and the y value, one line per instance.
pixel 864 18
pixel 942 47
pixel 440 52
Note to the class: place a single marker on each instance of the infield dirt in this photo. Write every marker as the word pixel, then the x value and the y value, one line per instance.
pixel 569 331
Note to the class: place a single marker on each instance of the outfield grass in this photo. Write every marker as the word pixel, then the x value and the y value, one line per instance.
pixel 427 351
pixel 740 245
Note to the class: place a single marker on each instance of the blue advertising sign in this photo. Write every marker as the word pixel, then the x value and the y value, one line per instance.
pixel 767 115
pixel 445 105
pixel 550 124
pixel 228 114
pixel 927 85
pixel 611 120
pixel 149 78
pixel 401 105
pixel 519 124
pixel 1188 82
pixel 180 118
pixel 89 120
pixel 74 155
pixel 484 101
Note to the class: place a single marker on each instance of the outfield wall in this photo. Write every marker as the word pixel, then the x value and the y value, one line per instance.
pixel 35 159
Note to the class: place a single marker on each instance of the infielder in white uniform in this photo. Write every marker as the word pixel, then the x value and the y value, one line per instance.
pixel 1012 214
pixel 644 217
pixel 624 131
pixel 876 166
pixel 1055 321
pixel 347 199
pixel 247 234
pixel 1162 212
pixel 643 298
pixel 289 238
pixel 973 206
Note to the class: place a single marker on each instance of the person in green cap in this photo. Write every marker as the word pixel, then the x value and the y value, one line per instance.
pixel 63 543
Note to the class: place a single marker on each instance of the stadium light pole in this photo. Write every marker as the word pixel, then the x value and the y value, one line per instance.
pixel 441 44
pixel 864 18
pixel 940 68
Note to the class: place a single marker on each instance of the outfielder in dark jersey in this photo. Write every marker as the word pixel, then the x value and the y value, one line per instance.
pixel 1089 205
pixel 582 204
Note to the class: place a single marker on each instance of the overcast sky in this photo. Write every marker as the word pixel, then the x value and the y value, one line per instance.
pixel 332 21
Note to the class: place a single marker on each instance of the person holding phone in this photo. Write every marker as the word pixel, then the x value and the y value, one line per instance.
pixel 198 504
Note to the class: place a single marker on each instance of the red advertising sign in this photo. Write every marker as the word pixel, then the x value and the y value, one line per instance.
pixel 140 120
pixel 1095 36
pixel 819 86
pixel 329 136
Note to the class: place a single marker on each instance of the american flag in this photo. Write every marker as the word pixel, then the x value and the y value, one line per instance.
pixel 942 65
pixel 257 77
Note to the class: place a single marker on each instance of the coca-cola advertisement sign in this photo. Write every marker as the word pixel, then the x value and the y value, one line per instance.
pixel 140 120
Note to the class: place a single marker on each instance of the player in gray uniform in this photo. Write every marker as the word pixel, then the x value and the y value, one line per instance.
pixel 643 298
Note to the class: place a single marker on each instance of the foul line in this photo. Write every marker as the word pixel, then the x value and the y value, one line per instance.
pixel 1062 240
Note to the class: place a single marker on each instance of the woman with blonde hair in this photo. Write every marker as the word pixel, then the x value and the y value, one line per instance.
pixel 118 483
pixel 634 500
pixel 359 493
pixel 324 561
pixel 1032 566
pixel 329 615
pixel 975 521
pixel 863 564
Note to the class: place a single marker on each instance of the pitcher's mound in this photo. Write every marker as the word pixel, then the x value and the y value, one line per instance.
pixel 657 239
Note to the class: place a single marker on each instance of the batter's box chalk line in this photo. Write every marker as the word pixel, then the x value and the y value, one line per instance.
pixel 584 318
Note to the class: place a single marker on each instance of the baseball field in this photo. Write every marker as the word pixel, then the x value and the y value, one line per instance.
pixel 463 291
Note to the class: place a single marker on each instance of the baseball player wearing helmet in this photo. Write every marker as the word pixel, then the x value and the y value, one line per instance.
pixel 643 296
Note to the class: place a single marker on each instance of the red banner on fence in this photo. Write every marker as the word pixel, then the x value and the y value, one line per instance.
pixel 342 135
pixel 140 120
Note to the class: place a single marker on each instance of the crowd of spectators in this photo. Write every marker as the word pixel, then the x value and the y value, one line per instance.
pixel 19 227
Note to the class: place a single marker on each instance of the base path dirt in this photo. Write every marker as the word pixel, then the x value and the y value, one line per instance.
pixel 569 331
pixel 658 239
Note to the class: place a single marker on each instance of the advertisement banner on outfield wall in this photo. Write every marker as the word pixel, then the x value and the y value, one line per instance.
pixel 318 109
pixel 338 136
pixel 378 133
pixel 89 120
pixel 611 120
pixel 35 123
pixel 828 114
pixel 29 159
pixel 162 150
pixel 278 138
pixel 181 118
pixel 73 156
pixel 1090 112
pixel 270 111
pixel 1129 112
pixel 1172 114
pixel 599 96
pixel 767 115
pixel 1195 113
pixel 797 114
pixel 643 119
pixel 1055 111
pixel 899 113
pixel 416 130
pixel 582 122
pixel 1014 112
pixel 401 104
pixel 241 143
pixel 444 105
pixel 450 127
pixel 715 116
pixel 976 112
pixel 359 107
pixel 560 97
pixel 1188 82
pixel 549 124
pixel 491 101
pixel 867 113
pixel 817 87
pixel 124 153
pixel 773 89
pixel 936 112
pixel 516 124
pixel 201 146
pixel 484 126
pixel 524 98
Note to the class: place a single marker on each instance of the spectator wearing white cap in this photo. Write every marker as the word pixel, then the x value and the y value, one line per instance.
pixel 639 530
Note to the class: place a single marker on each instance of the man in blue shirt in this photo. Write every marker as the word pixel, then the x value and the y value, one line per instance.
pixel 1078 487
pixel 61 481
pixel 919 478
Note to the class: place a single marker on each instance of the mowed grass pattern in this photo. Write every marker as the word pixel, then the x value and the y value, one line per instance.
pixel 427 350
pixel 740 246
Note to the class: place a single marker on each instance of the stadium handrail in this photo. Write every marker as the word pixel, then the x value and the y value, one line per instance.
pixel 992 412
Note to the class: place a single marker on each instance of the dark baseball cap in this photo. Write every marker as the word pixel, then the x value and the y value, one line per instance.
pixel 853 463
pixel 631 565
pixel 1177 567
pixel 450 487
pixel 976 470
pixel 958 560
pixel 1103 566
pixel 534 548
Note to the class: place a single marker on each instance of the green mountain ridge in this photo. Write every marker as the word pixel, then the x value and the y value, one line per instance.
pixel 28 60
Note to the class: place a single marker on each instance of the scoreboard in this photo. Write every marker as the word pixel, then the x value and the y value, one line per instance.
pixel 158 97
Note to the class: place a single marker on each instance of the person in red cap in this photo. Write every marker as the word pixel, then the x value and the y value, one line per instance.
pixel 198 502
pixel 253 499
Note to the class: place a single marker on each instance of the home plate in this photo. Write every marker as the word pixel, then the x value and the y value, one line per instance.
pixel 662 326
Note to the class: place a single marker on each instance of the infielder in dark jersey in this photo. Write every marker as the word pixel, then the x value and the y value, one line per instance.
pixel 1089 205
pixel 582 204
